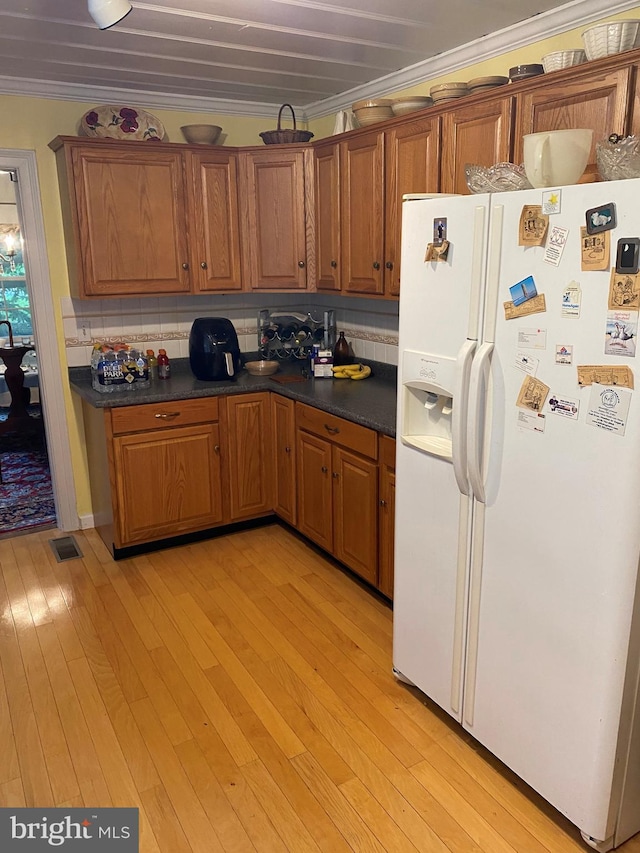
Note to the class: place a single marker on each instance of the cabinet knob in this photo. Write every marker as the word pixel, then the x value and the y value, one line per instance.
pixel 383 503
pixel 334 264
pixel 287 450
pixel 216 447
pixel 324 469
pixel 335 475
pixel 301 264
pixel 203 265
pixel 389 265
pixel 376 265
pixel 185 266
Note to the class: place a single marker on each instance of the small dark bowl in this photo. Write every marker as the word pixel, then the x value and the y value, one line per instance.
pixel 521 72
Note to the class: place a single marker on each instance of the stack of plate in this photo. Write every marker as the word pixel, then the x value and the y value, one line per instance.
pixel 448 91
pixel 480 84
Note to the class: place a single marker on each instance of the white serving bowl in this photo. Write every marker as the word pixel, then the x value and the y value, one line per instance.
pixel 562 59
pixel 611 37
pixel 262 368
pixel 410 104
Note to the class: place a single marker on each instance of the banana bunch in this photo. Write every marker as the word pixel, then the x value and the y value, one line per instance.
pixel 351 371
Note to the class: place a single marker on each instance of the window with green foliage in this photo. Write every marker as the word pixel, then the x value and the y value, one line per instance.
pixel 15 307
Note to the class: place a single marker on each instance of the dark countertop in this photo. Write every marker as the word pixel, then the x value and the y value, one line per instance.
pixel 370 402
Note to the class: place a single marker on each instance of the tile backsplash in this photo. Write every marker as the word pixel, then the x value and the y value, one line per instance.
pixel 370 326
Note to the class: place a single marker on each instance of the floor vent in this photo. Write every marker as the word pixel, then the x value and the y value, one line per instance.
pixel 65 548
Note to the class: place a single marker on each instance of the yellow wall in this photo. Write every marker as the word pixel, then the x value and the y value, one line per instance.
pixel 30 123
pixel 499 65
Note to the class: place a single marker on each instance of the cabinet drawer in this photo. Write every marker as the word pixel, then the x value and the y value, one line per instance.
pixel 344 433
pixel 161 415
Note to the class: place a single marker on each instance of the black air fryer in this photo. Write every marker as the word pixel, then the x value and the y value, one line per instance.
pixel 214 353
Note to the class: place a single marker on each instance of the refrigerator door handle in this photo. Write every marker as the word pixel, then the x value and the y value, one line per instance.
pixel 477 393
pixel 459 415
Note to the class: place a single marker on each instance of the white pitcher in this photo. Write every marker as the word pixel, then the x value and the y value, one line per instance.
pixel 554 158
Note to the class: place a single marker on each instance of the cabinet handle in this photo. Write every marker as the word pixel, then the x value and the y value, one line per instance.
pixel 332 430
pixel 324 469
pixel 376 265
pixel 334 264
pixel 166 416
pixel 389 265
pixel 203 265
pixel 301 264
pixel 185 266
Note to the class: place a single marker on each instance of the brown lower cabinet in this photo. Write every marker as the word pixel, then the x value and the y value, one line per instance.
pixel 247 457
pixel 338 488
pixel 155 470
pixel 160 470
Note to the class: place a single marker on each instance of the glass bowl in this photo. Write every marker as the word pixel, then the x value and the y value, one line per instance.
pixel 618 158
pixel 503 177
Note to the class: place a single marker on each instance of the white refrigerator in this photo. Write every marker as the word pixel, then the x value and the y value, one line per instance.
pixel 516 603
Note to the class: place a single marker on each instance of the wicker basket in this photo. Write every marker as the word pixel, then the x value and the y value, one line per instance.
pixel 280 136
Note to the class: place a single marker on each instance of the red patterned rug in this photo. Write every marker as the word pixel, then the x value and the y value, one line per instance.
pixel 26 494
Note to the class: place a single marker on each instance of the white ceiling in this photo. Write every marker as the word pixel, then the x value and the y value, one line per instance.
pixel 245 53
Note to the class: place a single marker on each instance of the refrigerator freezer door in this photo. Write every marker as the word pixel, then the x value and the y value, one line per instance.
pixel 438 306
pixel 552 611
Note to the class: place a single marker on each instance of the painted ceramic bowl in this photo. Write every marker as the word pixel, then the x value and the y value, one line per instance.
pixel 108 122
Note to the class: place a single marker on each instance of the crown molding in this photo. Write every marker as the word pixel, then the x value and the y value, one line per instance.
pixel 542 26
pixel 158 100
pixel 554 22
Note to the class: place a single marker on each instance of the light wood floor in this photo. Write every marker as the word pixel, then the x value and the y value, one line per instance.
pixel 239 692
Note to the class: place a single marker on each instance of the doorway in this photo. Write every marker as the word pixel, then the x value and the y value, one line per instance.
pixel 22 166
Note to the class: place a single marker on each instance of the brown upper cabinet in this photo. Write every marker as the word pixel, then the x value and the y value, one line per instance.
pixel 593 100
pixel 125 212
pixel 376 169
pixel 165 218
pixel 213 199
pixel 476 133
pixel 276 230
pixel 327 204
pixel 147 219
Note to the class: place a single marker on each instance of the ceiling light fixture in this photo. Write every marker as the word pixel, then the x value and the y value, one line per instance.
pixel 106 13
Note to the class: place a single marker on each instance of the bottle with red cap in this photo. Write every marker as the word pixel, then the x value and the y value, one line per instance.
pixel 164 368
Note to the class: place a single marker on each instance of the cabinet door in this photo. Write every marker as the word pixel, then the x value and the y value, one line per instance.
pixel 167 482
pixel 249 455
pixel 327 201
pixel 355 513
pixel 481 134
pixel 314 489
pixel 283 428
pixel 131 221
pixel 362 213
pixel 386 515
pixel 213 189
pixel 412 165
pixel 274 236
pixel 597 101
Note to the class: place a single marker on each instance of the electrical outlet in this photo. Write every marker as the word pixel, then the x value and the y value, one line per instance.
pixel 84 331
